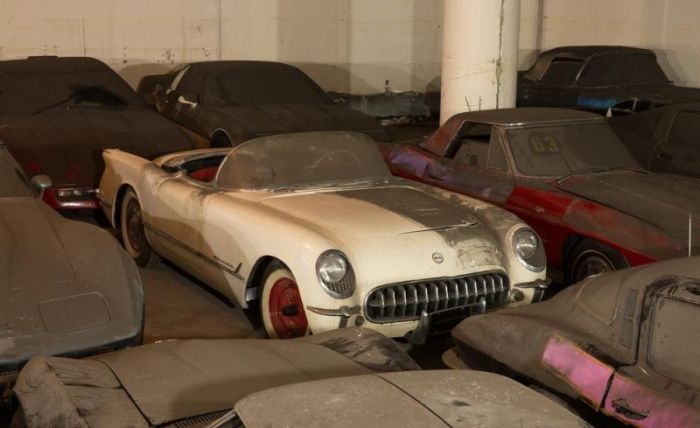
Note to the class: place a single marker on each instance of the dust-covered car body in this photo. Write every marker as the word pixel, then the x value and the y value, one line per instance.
pixel 191 382
pixel 447 398
pixel 568 175
pixel 59 113
pixel 67 287
pixel 664 139
pixel 229 102
pixel 624 342
pixel 599 78
pixel 406 249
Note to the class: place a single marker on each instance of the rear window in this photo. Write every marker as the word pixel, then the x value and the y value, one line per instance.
pixel 685 130
pixel 622 69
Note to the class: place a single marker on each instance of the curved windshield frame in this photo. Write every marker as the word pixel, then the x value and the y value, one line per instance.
pixel 297 161
pixel 13 183
pixel 567 148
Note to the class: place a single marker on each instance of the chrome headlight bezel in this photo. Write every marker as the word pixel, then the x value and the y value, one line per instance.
pixel 343 287
pixel 537 260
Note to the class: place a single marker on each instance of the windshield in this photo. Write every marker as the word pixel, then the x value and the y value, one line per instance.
pixel 23 94
pixel 555 151
pixel 303 160
pixel 622 69
pixel 12 181
pixel 267 86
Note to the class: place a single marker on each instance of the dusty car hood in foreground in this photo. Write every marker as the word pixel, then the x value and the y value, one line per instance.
pixel 278 119
pixel 373 211
pixel 66 286
pixel 662 200
pixel 67 145
pixel 178 380
pixel 449 398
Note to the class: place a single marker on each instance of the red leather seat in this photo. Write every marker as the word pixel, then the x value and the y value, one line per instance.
pixel 204 174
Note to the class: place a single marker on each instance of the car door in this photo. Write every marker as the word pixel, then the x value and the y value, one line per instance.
pixel 661 389
pixel 678 152
pixel 475 165
pixel 178 215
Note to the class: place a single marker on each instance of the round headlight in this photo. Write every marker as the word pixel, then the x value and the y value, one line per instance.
pixel 528 249
pixel 335 274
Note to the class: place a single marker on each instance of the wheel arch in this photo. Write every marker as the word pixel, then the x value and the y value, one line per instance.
pixel 256 276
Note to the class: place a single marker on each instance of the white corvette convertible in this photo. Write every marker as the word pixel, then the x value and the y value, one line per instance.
pixel 312 230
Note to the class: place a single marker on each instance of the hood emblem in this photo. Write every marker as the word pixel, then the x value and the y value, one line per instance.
pixel 438 258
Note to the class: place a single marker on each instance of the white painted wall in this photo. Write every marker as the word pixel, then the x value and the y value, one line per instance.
pixel 346 45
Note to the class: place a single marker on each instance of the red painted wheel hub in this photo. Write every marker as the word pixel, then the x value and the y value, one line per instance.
pixel 287 310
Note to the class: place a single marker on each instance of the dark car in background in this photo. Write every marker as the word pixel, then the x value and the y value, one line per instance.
pixel 665 139
pixel 567 174
pixel 228 102
pixel 624 344
pixel 66 287
pixel 598 78
pixel 58 114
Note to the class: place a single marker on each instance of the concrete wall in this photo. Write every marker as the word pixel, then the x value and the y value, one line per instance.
pixel 346 45
pixel 669 27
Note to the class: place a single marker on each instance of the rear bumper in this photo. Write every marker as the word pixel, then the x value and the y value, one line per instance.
pixel 86 201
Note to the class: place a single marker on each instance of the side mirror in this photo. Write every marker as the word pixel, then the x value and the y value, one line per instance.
pixel 182 100
pixel 41 183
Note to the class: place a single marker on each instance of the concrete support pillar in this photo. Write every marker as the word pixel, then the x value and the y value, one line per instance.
pixel 480 55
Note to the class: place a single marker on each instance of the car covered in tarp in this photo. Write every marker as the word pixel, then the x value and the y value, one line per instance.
pixel 603 79
pixel 312 229
pixel 625 343
pixel 59 113
pixel 568 175
pixel 345 378
pixel 66 287
pixel 228 102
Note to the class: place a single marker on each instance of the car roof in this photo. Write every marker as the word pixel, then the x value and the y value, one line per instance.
pixel 51 64
pixel 243 65
pixel 526 116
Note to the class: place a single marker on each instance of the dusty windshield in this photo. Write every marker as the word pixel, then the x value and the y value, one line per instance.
pixel 286 162
pixel 34 93
pixel 559 150
pixel 12 181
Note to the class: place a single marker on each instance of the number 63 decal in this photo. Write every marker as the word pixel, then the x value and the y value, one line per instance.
pixel 543 143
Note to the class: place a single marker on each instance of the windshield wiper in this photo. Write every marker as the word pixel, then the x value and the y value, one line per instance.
pixel 330 184
pixel 598 169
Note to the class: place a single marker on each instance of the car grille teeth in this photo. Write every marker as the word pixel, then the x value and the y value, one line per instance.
pixel 406 301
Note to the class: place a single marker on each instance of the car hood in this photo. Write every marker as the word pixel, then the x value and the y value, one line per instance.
pixel 452 398
pixel 31 253
pixel 661 200
pixel 261 120
pixel 372 211
pixel 175 380
pixel 67 145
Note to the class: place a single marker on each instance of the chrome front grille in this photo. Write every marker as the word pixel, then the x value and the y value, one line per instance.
pixel 406 301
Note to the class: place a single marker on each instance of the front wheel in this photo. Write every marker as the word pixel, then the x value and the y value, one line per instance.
pixel 590 258
pixel 282 309
pixel 132 231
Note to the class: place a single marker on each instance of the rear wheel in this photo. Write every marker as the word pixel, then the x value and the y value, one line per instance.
pixel 282 309
pixel 133 233
pixel 590 258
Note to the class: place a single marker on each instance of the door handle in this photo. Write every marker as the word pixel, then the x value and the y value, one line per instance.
pixel 622 407
pixel 664 155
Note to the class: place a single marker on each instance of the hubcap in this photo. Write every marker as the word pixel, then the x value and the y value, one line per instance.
pixel 134 226
pixel 287 310
pixel 591 264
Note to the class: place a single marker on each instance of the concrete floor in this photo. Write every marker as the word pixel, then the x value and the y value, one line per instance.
pixel 178 307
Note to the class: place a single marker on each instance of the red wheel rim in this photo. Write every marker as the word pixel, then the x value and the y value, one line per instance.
pixel 287 310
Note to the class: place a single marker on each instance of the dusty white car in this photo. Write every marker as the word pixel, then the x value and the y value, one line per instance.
pixel 313 231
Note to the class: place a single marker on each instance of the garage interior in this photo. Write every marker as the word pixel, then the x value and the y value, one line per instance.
pixel 414 66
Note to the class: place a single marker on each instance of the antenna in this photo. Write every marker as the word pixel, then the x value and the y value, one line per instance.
pixel 690 234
